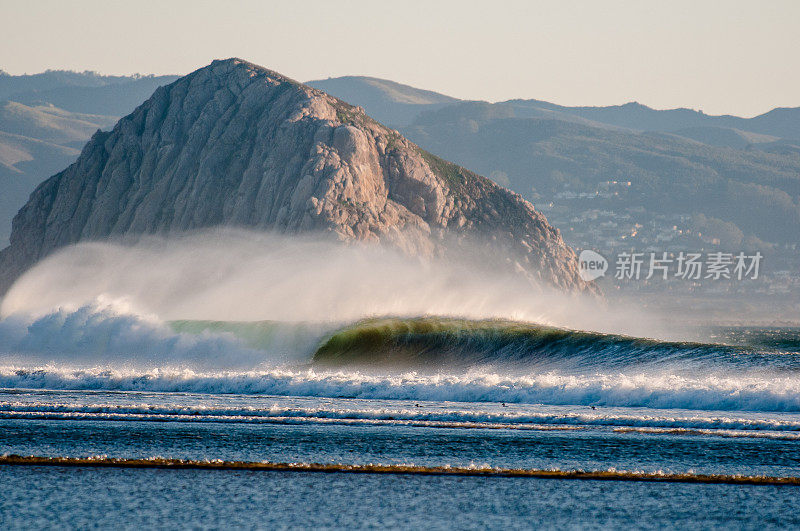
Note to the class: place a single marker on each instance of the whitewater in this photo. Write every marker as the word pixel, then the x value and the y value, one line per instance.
pixel 251 348
pixel 102 346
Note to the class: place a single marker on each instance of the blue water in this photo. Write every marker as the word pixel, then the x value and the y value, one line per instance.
pixel 95 384
pixel 354 431
pixel 359 431
pixel 135 499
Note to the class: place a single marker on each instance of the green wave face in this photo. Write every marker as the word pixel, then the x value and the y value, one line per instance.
pixel 444 341
pixel 434 342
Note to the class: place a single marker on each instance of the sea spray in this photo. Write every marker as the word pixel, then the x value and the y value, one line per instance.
pixel 102 347
pixel 109 334
pixel 232 275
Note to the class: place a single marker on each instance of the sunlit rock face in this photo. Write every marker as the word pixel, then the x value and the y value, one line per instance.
pixel 236 144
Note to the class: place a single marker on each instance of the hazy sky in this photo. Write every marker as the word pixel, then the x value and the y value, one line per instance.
pixel 737 57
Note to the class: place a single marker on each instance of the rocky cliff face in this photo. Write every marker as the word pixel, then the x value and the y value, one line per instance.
pixel 236 144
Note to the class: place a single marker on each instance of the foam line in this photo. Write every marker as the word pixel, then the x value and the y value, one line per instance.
pixel 391 414
pixel 601 475
pixel 648 389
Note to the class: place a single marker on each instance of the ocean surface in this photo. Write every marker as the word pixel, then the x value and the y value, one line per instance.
pixel 681 426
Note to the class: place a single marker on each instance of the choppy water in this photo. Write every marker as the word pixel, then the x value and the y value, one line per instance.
pixel 425 392
pixel 192 498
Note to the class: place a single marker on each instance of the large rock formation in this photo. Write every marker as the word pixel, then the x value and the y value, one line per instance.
pixel 236 144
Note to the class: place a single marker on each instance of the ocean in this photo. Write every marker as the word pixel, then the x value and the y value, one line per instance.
pixel 112 418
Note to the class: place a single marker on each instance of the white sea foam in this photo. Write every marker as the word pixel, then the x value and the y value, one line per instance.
pixel 107 332
pixel 728 424
pixel 104 346
pixel 664 391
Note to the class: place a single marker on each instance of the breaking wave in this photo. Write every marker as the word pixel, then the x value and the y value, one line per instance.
pixel 104 346
pixel 457 342
pixel 107 332
pixel 627 388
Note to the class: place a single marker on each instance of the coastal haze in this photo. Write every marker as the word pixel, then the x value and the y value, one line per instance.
pixel 528 264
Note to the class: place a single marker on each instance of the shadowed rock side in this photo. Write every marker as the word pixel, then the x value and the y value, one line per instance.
pixel 236 144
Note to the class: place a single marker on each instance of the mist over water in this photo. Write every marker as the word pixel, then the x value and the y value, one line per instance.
pixel 230 275
pixel 231 311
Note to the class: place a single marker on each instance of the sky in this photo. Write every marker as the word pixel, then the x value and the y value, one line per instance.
pixel 721 57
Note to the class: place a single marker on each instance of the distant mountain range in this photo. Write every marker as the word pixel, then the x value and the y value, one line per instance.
pixel 81 92
pixel 389 102
pixel 755 188
pixel 778 123
pixel 627 174
pixel 400 105
pixel 642 173
pixel 45 119
pixel 37 141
